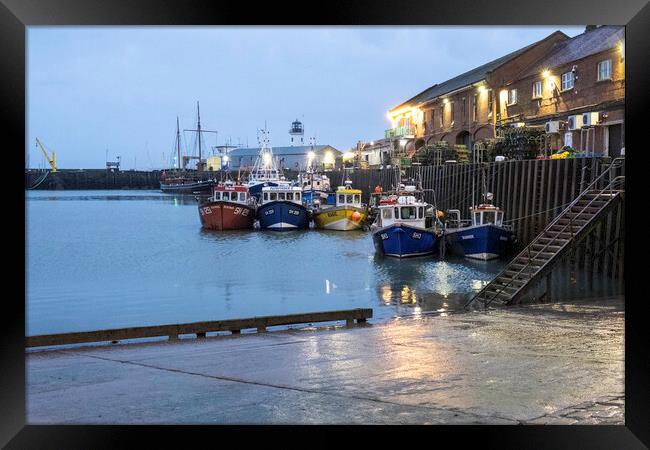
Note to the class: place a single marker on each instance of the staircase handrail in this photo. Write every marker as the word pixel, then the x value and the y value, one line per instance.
pixel 609 186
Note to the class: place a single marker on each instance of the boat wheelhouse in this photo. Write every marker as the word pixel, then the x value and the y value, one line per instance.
pixel 348 213
pixel 484 236
pixel 229 208
pixel 400 228
pixel 281 209
pixel 316 188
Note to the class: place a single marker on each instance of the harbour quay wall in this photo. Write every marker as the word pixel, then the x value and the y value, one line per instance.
pixel 83 179
pixel 531 193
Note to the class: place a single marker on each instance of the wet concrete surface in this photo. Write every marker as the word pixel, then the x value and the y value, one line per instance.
pixel 538 364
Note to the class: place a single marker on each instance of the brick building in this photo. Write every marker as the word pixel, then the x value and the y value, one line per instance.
pixel 574 88
pixel 462 110
pixel 576 92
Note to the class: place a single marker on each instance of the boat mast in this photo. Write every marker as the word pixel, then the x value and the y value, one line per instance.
pixel 198 127
pixel 198 131
pixel 178 142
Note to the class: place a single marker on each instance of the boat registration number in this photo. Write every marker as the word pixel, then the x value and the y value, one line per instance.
pixel 384 236
pixel 241 211
pixel 294 212
pixel 270 211
pixel 206 210
pixel 417 235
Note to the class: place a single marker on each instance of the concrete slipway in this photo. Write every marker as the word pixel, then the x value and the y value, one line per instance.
pixel 550 363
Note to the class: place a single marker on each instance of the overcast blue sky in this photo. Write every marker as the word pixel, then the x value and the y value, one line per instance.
pixel 120 88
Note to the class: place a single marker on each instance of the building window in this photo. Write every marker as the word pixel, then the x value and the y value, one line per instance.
pixel 605 70
pixel 537 89
pixel 512 97
pixel 567 81
pixel 490 100
pixel 475 111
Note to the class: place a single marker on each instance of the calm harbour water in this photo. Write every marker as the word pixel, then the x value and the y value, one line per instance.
pixel 106 259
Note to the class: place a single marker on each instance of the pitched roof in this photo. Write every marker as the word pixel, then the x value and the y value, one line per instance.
pixel 578 47
pixel 295 150
pixel 472 76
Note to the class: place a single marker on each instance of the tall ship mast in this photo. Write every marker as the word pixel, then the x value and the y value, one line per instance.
pixel 182 182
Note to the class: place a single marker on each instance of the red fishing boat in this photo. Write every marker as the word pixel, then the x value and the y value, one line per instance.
pixel 229 208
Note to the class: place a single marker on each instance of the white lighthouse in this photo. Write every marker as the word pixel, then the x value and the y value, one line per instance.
pixel 297 133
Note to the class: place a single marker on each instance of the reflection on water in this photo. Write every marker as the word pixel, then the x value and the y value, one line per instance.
pixel 430 285
pixel 145 260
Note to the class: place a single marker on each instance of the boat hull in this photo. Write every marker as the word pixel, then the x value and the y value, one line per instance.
pixel 403 241
pixel 340 218
pixel 187 188
pixel 283 216
pixel 222 215
pixel 482 242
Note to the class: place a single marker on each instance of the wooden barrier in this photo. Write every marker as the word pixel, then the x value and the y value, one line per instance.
pixel 199 328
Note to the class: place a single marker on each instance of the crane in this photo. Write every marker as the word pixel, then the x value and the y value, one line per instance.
pixel 51 161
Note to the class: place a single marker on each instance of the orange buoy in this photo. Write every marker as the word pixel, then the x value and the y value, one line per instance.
pixel 356 216
pixel 377 189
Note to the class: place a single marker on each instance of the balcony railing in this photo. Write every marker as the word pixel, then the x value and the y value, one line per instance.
pixel 399 132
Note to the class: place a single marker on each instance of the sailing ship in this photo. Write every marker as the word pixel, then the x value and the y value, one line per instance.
pixel 180 181
pixel 265 171
pixel 402 225
pixel 229 208
pixel 281 209
pixel 347 214
pixel 483 237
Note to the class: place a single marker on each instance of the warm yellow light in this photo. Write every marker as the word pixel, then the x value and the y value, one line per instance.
pixel 482 89
pixel 348 155
pixel 546 73
pixel 267 159
pixel 311 155
pixel 329 158
pixel 621 48
pixel 445 101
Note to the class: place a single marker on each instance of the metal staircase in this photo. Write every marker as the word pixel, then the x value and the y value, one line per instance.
pixel 563 233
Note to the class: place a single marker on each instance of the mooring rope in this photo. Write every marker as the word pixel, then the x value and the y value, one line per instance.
pixel 38 182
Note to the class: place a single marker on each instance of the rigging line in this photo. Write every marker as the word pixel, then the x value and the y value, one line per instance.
pixel 538 213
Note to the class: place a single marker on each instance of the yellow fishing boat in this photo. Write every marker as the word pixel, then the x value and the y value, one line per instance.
pixel 348 213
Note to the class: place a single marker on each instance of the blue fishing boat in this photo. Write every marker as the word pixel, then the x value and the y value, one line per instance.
pixel 281 209
pixel 483 237
pixel 400 228
pixel 316 189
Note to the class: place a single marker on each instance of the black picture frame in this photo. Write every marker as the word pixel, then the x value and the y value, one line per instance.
pixel 16 15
